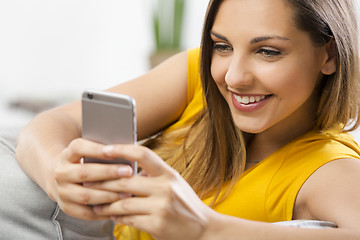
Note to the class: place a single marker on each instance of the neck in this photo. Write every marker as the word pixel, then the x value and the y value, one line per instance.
pixel 263 145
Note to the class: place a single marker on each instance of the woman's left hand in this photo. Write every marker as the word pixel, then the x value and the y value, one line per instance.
pixel 163 205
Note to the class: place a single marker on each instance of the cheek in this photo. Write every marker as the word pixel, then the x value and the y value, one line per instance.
pixel 218 70
pixel 289 80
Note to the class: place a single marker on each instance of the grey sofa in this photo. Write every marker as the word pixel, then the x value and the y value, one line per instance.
pixel 26 212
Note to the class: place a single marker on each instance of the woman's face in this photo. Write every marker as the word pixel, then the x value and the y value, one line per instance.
pixel 264 66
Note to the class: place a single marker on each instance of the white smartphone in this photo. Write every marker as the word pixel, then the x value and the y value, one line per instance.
pixel 109 118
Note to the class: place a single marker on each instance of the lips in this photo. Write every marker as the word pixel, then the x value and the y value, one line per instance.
pixel 249 103
pixel 249 99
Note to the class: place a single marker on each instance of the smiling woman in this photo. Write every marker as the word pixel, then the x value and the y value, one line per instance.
pixel 271 73
pixel 249 131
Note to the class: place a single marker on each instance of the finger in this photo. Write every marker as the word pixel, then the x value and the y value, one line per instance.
pixel 80 211
pixel 136 185
pixel 142 173
pixel 80 147
pixel 126 206
pixel 91 172
pixel 147 159
pixel 78 194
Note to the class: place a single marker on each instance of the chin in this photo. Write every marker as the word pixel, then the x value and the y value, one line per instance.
pixel 251 130
pixel 250 125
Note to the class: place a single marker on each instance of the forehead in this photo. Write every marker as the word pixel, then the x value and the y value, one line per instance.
pixel 257 16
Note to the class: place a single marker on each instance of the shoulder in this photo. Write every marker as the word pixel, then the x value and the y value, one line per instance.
pixel 194 99
pixel 332 193
pixel 194 82
pixel 313 156
pixel 308 153
pixel 321 147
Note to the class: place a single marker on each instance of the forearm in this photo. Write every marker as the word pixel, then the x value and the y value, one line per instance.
pixel 41 141
pixel 159 102
pixel 227 227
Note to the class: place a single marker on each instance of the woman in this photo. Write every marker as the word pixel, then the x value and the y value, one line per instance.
pixel 280 79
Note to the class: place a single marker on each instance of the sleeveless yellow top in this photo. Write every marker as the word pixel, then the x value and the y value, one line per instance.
pixel 194 102
pixel 267 191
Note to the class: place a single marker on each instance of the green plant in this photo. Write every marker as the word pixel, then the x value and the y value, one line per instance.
pixel 167 21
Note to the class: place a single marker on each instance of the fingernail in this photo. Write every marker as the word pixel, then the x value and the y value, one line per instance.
pixel 108 149
pixel 87 184
pixel 124 171
pixel 97 209
pixel 124 195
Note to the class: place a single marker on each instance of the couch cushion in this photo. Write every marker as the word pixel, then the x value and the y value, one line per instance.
pixel 26 212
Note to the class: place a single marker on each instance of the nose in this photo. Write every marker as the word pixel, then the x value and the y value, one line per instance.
pixel 239 74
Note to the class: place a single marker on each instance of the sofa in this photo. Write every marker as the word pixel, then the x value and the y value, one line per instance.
pixel 26 212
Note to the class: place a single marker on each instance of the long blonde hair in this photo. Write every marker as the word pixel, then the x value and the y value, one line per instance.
pixel 211 152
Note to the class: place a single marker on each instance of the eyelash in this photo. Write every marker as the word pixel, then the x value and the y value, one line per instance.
pixel 223 48
pixel 269 53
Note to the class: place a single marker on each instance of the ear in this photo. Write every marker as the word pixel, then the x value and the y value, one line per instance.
pixel 329 66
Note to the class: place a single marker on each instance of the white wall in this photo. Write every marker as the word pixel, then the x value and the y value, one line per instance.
pixel 50 47
pixel 56 48
pixel 53 49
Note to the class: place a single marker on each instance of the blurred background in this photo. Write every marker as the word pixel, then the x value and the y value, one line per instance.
pixel 50 50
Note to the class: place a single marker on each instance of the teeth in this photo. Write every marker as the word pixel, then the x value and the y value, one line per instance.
pixel 247 99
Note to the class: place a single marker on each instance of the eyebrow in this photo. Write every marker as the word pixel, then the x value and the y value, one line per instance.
pixel 265 38
pixel 219 36
pixel 254 40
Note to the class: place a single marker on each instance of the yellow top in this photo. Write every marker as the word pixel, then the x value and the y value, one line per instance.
pixel 267 191
pixel 194 102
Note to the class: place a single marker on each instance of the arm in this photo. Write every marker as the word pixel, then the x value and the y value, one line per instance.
pixel 160 96
pixel 227 227
pixel 167 206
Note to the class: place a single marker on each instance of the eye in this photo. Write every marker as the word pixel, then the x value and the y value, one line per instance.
pixel 268 53
pixel 222 48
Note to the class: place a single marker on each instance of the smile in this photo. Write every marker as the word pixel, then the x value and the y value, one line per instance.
pixel 250 103
pixel 249 99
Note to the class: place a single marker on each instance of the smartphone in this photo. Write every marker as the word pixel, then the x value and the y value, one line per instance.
pixel 109 118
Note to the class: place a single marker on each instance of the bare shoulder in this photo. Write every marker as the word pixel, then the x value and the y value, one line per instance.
pixel 332 193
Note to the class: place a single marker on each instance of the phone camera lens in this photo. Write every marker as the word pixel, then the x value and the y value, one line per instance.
pixel 90 96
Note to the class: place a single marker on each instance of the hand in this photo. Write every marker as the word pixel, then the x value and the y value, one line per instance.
pixel 70 175
pixel 164 204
